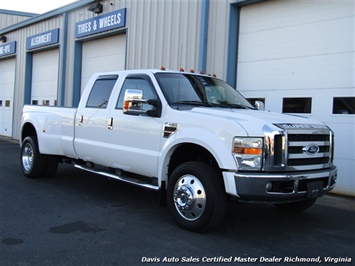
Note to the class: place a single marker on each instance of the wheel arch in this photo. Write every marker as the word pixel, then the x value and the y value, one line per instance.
pixel 28 129
pixel 185 152
pixel 184 146
pixel 189 151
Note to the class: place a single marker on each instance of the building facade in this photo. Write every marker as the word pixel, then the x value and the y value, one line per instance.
pixel 297 56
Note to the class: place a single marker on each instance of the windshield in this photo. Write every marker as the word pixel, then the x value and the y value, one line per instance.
pixel 189 89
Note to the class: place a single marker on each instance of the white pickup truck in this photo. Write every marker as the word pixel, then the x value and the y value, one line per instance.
pixel 190 136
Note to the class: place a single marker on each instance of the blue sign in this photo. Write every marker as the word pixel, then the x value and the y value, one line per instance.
pixel 42 39
pixel 108 21
pixel 8 49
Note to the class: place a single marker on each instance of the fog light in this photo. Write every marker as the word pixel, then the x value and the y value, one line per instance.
pixel 268 186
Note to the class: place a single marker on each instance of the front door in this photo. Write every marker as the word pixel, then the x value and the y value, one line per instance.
pixel 134 139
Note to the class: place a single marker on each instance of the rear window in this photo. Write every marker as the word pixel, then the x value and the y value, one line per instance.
pixel 101 91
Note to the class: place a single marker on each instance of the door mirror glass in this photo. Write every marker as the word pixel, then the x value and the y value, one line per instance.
pixel 133 102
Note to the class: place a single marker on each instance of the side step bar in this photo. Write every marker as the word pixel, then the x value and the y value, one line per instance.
pixel 129 180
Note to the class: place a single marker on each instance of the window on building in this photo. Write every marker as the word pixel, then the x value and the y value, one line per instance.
pixel 0 103
pixel 34 102
pixel 45 102
pixel 344 105
pixel 7 103
pixel 297 105
pixel 101 91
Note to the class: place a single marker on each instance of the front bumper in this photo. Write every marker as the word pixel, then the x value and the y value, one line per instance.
pixel 280 187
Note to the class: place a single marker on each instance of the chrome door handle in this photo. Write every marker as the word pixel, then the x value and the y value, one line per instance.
pixel 81 119
pixel 110 123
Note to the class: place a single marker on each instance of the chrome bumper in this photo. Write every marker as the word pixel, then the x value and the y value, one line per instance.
pixel 281 186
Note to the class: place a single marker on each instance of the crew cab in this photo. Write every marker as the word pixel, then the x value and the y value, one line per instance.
pixel 191 136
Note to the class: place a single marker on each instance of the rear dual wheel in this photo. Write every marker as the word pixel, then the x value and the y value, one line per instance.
pixel 196 196
pixel 33 163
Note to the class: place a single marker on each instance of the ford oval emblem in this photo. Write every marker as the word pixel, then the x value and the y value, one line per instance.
pixel 311 149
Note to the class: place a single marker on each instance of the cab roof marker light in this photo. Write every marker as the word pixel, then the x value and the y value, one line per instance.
pixel 162 68
pixel 192 71
pixel 181 69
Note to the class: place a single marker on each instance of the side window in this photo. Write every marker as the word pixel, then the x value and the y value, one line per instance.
pixel 101 91
pixel 138 83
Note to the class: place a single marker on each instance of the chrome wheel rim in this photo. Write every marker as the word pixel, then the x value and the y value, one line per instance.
pixel 27 157
pixel 189 197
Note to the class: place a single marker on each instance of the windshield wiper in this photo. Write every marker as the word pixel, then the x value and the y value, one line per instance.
pixel 233 105
pixel 196 103
pixel 219 104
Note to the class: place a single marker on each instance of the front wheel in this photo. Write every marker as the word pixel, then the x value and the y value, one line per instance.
pixel 196 196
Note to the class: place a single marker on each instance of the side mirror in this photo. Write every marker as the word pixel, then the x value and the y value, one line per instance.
pixel 133 104
pixel 133 101
pixel 260 105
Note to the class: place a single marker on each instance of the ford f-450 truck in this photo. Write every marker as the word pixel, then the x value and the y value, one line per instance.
pixel 190 136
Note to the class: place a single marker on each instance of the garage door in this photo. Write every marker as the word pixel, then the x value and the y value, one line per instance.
pixel 105 54
pixel 7 84
pixel 299 56
pixel 45 77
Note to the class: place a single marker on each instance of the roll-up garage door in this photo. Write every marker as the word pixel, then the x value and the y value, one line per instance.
pixel 292 51
pixel 7 84
pixel 44 88
pixel 295 48
pixel 105 54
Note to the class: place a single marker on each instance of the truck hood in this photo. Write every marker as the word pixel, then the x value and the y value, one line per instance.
pixel 254 120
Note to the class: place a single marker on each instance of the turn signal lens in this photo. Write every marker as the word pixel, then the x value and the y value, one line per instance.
pixel 126 105
pixel 242 150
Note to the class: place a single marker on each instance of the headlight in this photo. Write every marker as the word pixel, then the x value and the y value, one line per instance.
pixel 248 153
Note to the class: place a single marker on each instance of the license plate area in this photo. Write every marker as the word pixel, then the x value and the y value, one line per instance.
pixel 315 189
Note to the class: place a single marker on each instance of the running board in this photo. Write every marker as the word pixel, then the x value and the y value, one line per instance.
pixel 129 180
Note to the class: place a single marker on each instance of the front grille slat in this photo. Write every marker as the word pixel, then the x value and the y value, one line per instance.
pixel 324 155
pixel 308 137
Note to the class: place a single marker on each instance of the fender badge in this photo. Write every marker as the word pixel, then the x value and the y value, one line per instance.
pixel 169 129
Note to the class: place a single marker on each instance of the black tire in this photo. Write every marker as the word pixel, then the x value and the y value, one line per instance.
pixel 196 197
pixel 297 206
pixel 32 162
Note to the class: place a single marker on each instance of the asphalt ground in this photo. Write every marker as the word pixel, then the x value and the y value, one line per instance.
pixel 78 218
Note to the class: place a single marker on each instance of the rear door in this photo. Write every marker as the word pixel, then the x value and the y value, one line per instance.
pixel 91 121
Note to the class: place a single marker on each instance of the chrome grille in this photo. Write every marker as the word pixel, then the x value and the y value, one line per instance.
pixel 300 159
pixel 295 147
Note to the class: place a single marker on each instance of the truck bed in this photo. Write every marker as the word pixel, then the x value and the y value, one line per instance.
pixel 55 128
